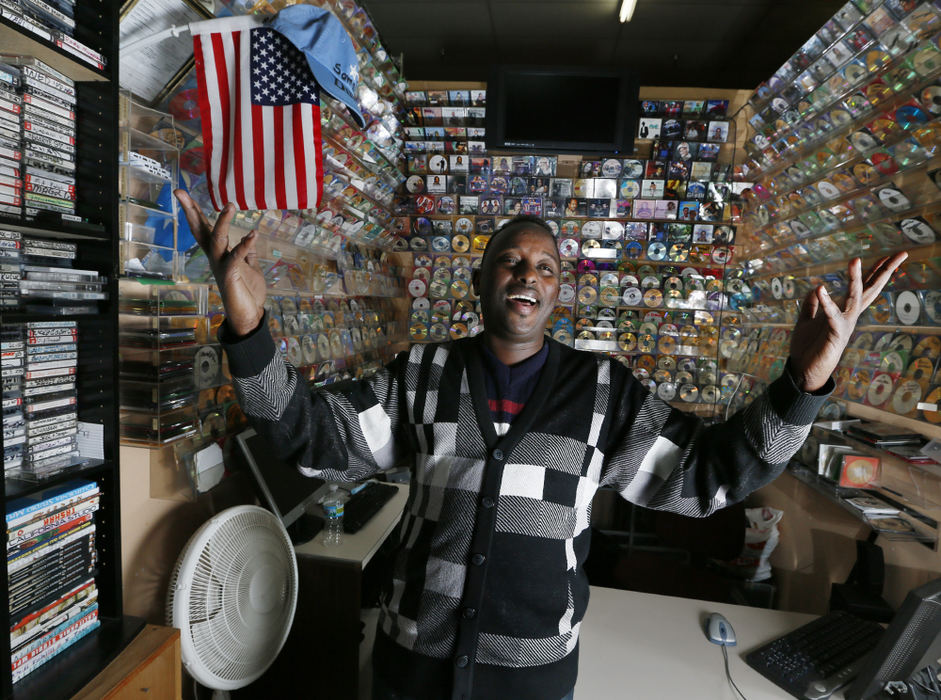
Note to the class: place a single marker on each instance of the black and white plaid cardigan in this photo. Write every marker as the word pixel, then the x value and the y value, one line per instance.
pixel 488 589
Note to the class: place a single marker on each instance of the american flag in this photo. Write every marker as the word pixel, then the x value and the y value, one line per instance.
pixel 260 111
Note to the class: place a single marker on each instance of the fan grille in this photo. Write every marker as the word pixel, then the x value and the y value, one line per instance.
pixel 233 596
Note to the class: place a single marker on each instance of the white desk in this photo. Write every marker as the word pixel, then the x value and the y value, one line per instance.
pixel 641 645
pixel 321 656
pixel 359 547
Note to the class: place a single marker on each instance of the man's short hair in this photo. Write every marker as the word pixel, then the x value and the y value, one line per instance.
pixel 516 221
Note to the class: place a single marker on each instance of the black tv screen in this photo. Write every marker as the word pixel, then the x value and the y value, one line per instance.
pixel 579 110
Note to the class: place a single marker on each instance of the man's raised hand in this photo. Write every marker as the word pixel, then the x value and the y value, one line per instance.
pixel 823 328
pixel 236 270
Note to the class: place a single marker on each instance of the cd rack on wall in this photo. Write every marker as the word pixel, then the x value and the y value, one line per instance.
pixel 645 241
pixel 841 146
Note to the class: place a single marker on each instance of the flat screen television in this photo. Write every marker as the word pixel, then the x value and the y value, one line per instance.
pixel 559 110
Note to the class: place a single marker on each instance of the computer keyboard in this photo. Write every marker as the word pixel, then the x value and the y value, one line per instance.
pixel 815 660
pixel 364 504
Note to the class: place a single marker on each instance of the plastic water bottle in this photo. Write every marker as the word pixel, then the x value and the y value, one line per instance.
pixel 333 513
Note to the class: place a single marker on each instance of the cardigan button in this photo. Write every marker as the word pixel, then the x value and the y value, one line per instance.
pixel 478 559
pixel 461 661
pixel 470 613
pixel 497 454
pixel 486 502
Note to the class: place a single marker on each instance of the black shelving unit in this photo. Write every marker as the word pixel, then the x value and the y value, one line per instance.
pixel 97 380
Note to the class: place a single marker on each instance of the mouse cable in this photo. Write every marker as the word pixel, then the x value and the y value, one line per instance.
pixel 728 674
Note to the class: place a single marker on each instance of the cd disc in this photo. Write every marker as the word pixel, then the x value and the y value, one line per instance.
pixel 931 98
pixel 295 355
pixel 892 362
pixel 879 390
pixel 309 348
pixel 893 199
pixel 907 307
pixel 881 311
pixel 906 397
pixel 568 248
pixel 666 391
pixel 627 342
pixel 656 251
pixel 858 472
pixel 920 369
pixel 709 393
pixel 689 393
pixel 205 367
pixel 666 344
pixel 609 296
pixel 909 116
pixel 459 289
pixel 653 298
pixel 185 105
pixel 212 425
pixel 933 306
pixel 721 255
pixel 678 252
pixel 587 295
pixel 631 296
pixel 460 243
pixel 667 363
pixel 858 384
pixel 646 343
pixel 646 363
pixel 930 407
pixel 928 347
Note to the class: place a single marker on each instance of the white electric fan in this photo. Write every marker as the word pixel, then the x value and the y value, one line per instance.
pixel 232 594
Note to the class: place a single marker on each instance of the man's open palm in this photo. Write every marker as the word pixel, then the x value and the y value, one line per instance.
pixel 823 328
pixel 240 281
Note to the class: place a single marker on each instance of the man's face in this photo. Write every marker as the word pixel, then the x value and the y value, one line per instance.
pixel 518 283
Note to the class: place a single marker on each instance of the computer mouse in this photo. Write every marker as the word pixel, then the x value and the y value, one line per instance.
pixel 719 631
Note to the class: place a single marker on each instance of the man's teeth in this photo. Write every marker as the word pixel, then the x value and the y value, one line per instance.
pixel 523 297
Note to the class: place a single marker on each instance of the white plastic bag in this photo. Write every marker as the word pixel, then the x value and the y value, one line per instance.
pixel 761 537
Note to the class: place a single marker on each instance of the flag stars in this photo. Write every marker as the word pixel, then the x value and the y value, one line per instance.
pixel 280 73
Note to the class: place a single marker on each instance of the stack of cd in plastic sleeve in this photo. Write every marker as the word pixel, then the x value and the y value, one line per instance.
pixel 54 21
pixel 49 395
pixel 47 128
pixel 39 397
pixel 37 275
pixel 11 127
pixel 12 352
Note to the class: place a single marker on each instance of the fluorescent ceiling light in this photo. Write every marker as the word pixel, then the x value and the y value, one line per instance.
pixel 627 10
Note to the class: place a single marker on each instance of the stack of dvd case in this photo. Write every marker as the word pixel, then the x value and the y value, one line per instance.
pixel 50 398
pixel 11 127
pixel 40 418
pixel 48 137
pixel 52 20
pixel 51 560
pixel 10 268
pixel 12 354
pixel 36 274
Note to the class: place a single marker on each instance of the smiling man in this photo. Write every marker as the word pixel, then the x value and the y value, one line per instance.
pixel 508 436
